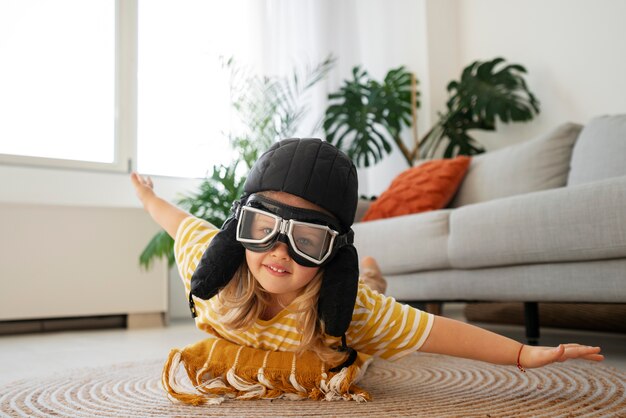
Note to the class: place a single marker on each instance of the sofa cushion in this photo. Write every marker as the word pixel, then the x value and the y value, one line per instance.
pixel 538 164
pixel 406 243
pixel 600 150
pixel 429 186
pixel 577 223
pixel 589 281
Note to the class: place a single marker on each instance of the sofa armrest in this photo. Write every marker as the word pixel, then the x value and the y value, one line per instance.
pixel 577 223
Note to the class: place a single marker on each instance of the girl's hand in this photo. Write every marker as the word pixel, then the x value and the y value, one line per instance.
pixel 164 213
pixel 540 356
pixel 143 187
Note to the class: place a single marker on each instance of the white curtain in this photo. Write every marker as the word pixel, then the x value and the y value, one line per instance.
pixel 377 34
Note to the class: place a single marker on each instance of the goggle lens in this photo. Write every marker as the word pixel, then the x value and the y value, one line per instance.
pixel 258 226
pixel 314 241
pixel 258 230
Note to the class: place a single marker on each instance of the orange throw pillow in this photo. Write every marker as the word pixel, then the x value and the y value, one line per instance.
pixel 429 186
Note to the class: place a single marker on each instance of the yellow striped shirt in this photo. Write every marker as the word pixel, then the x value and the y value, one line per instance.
pixel 380 326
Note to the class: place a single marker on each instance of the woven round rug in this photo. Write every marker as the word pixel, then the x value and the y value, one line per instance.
pixel 418 385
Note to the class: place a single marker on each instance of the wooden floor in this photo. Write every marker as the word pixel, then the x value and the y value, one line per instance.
pixel 42 354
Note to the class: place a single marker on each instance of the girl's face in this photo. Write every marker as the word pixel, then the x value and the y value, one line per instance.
pixel 274 270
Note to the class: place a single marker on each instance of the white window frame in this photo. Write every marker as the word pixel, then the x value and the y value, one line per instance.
pixel 125 113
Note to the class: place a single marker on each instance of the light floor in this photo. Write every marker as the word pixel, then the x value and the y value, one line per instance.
pixel 40 355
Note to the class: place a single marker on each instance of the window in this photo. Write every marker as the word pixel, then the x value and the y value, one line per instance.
pixel 57 79
pixel 183 91
pixel 101 84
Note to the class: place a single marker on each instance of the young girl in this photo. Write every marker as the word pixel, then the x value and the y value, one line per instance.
pixel 282 274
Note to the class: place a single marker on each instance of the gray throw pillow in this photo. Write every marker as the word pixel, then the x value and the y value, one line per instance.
pixel 539 164
pixel 600 151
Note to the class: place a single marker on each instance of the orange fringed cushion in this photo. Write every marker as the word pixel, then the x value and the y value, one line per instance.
pixel 429 186
pixel 219 370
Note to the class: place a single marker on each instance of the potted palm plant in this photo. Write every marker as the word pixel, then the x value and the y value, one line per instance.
pixel 365 117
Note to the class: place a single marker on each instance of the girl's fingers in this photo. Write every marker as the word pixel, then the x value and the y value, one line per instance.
pixel 593 357
pixel 136 176
pixel 135 179
pixel 141 181
pixel 582 350
pixel 541 356
pixel 573 345
pixel 578 351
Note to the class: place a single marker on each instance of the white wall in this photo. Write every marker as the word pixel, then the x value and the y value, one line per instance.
pixel 574 51
pixel 442 34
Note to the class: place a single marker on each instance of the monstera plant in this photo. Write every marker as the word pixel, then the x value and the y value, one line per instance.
pixel 268 109
pixel 365 117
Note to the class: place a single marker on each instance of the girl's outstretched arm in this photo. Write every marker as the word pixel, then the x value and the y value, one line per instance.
pixel 455 338
pixel 164 213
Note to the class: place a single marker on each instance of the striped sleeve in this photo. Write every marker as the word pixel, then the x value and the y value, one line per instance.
pixel 385 328
pixel 192 238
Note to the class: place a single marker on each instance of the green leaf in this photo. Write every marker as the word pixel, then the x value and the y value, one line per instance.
pixel 365 116
pixel 160 246
pixel 486 92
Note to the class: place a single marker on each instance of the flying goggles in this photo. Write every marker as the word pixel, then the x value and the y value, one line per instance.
pixel 311 236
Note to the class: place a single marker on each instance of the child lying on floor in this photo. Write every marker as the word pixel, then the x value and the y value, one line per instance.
pixel 282 276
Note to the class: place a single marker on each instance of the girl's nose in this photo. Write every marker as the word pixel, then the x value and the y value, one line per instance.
pixel 280 250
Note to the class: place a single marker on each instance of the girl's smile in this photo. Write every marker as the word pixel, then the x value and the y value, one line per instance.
pixel 277 269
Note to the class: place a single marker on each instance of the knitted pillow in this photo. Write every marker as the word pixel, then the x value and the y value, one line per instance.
pixel 429 186
pixel 220 370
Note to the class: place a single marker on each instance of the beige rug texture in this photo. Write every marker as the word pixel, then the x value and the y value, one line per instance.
pixel 419 385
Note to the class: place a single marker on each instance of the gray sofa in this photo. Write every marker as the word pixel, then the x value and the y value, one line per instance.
pixel 540 221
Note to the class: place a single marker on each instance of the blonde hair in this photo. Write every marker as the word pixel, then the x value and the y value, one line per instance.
pixel 242 301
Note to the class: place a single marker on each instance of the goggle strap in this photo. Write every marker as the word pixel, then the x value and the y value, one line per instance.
pixel 345 239
pixel 351 355
pixel 234 209
pixel 234 212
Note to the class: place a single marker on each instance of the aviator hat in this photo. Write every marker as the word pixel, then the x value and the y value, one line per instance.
pixel 320 173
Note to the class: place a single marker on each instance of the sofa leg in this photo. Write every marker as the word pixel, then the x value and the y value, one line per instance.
pixel 531 318
pixel 434 308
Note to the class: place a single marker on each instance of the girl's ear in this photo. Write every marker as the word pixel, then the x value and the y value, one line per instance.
pixel 219 262
pixel 338 292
